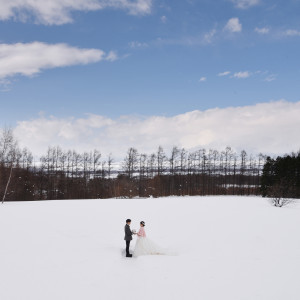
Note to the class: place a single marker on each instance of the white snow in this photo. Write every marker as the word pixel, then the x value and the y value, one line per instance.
pixel 235 248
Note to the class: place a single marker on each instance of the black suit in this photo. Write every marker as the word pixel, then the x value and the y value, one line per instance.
pixel 128 237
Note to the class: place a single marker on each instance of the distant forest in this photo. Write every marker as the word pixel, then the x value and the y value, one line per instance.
pixel 68 174
pixel 281 177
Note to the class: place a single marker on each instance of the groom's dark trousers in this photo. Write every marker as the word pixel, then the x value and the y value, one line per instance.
pixel 127 247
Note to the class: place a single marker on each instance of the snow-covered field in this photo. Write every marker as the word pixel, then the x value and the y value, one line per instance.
pixel 235 248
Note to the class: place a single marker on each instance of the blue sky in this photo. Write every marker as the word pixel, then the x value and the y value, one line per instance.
pixel 151 58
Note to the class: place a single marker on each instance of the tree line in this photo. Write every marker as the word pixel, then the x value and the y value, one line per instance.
pixel 281 178
pixel 68 174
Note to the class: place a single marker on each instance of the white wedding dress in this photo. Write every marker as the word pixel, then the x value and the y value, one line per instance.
pixel 145 246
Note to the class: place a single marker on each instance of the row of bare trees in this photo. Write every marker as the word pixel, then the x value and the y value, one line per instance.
pixel 199 172
pixel 68 174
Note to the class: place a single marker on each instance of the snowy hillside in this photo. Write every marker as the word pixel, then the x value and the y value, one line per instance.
pixel 234 248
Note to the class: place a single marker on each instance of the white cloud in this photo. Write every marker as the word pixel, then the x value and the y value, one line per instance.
pixel 136 44
pixel 271 128
pixel 233 25
pixel 202 79
pixel 244 4
pixel 263 30
pixel 57 12
pixel 270 78
pixel 292 32
pixel 164 19
pixel 224 73
pixel 30 59
pixel 242 75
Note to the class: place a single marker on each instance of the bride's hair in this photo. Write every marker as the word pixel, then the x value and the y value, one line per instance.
pixel 142 223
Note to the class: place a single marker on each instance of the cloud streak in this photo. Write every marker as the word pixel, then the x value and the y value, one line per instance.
pixel 203 39
pixel 242 75
pixel 292 32
pixel 31 58
pixel 270 78
pixel 244 4
pixel 263 30
pixel 271 128
pixel 226 73
pixel 58 12
pixel 138 45
pixel 208 37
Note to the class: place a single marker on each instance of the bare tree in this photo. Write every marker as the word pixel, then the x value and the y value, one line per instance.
pixel 26 159
pixel 151 165
pixel 161 159
pixel 277 192
pixel 173 159
pixel 109 165
pixel 131 162
pixel 243 170
pixel 234 172
pixel 183 161
pixel 227 165
pixel 8 155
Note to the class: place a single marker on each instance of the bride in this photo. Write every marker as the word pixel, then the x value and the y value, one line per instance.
pixel 145 246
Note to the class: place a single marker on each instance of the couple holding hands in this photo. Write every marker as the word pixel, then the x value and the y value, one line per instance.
pixel 143 245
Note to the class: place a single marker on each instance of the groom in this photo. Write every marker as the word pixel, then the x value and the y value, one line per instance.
pixel 128 237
